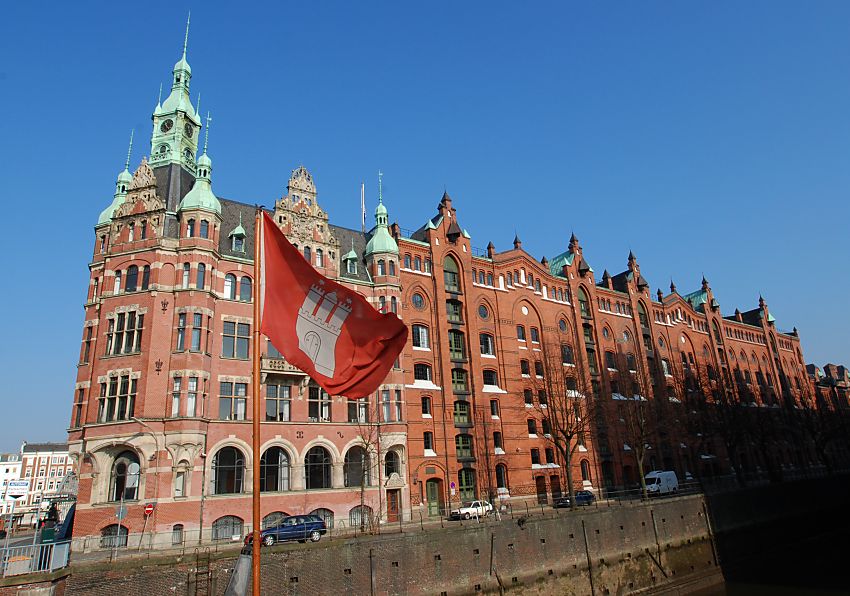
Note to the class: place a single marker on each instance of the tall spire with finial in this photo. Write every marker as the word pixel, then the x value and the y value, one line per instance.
pixel 380 187
pixel 129 151
pixel 207 131
pixel 159 97
pixel 198 108
pixel 186 37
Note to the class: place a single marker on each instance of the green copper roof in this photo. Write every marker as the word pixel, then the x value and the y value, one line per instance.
pixel 349 255
pixel 106 215
pixel 697 299
pixel 556 265
pixel 201 196
pixel 381 241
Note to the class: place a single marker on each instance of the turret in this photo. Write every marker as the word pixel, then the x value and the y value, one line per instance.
pixel 122 185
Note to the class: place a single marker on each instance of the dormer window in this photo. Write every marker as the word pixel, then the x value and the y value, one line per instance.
pixel 351 266
pixel 238 244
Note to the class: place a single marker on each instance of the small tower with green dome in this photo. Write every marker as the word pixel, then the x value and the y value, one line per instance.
pixel 176 127
pixel 381 249
pixel 201 197
pixel 122 185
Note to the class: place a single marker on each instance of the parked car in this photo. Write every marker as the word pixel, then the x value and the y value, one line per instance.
pixel 471 509
pixel 661 482
pixel 295 527
pixel 583 497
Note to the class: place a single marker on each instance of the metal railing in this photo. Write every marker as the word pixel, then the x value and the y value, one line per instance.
pixel 17 560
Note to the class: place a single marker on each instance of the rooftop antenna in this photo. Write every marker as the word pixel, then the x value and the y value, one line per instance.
pixel 380 186
pixel 363 207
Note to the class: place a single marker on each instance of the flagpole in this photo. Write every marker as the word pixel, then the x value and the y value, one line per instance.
pixel 255 385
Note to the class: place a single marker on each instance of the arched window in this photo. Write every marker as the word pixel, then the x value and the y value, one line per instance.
pixel 228 527
pixel 392 463
pixel 273 519
pixel 200 279
pixel 205 229
pixel 186 268
pixel 382 267
pixel 422 372
pixel 407 261
pixel 177 534
pixel 320 258
pixel 585 470
pixel 132 279
pixel 326 514
pixel 114 535
pixel 230 286
pixel 451 274
pixel 228 471
pixel 392 267
pixel 356 467
pixel 382 303
pixel 360 516
pixel 584 303
pixel 146 277
pixel 307 255
pixel 124 484
pixel 501 476
pixel 245 289
pixel 394 304
pixel 190 228
pixel 317 468
pixel 274 470
pixel 417 264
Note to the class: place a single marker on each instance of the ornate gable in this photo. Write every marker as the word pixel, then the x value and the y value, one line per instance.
pixel 141 197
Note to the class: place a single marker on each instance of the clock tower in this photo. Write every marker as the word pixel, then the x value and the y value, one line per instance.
pixel 176 128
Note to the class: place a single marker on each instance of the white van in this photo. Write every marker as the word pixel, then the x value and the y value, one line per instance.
pixel 661 483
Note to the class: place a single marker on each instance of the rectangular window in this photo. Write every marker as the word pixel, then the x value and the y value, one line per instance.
pixel 426 405
pixel 494 408
pixel 175 397
pixel 318 405
pixel 488 347
pixel 386 405
pixel 463 445
pixel 535 456
pixel 550 455
pixel 524 368
pixel 181 332
pixel 528 397
pixel 87 345
pixel 124 333
pixel 277 403
pixel 420 337
pixel 236 337
pixel 118 401
pixel 538 369
pixel 180 484
pixel 520 333
pixel 454 312
pixel 567 354
pixel 192 398
pixel 631 362
pixel 459 380
pixel 457 351
pixel 428 441
pixel 535 335
pixel 358 410
pixel 232 400
pixel 421 372
pixel 491 378
pixel 397 405
pixel 78 414
pixel 497 440
pixel 197 329
pixel 461 413
pixel 532 426
pixel 610 360
pixel 541 397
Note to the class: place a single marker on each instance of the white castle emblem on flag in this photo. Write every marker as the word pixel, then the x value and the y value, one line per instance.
pixel 320 321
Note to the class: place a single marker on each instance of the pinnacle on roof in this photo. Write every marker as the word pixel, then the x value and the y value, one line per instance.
pixel 632 256
pixel 201 195
pixel 490 245
pixel 672 287
pixel 122 184
pixel 660 295
pixel 517 241
pixel 704 283
pixel 544 261
pixel 446 198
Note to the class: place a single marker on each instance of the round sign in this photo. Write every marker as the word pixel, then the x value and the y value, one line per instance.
pixel 121 512
pixel 452 484
pixel 148 508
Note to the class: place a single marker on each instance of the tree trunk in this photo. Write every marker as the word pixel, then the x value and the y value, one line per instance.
pixel 571 491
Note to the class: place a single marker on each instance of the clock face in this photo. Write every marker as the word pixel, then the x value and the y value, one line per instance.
pixel 166 125
pixel 188 130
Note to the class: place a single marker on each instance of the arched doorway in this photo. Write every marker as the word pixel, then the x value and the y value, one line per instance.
pixel 434 496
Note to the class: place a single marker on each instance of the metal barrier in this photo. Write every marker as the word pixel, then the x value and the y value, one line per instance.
pixel 17 560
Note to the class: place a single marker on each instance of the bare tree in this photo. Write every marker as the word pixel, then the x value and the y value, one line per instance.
pixel 565 408
pixel 366 413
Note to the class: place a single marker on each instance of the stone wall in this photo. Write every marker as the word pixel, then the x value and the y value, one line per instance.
pixel 627 547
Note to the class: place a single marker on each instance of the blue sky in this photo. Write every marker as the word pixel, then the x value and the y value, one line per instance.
pixel 707 137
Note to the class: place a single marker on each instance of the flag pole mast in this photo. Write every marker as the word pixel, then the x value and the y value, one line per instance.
pixel 255 386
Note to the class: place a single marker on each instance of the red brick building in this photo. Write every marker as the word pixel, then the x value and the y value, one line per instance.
pixel 509 359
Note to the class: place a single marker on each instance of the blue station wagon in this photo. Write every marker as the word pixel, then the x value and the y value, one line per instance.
pixel 295 527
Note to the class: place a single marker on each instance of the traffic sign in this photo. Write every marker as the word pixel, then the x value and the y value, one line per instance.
pixel 149 508
pixel 121 512
pixel 452 484
pixel 17 488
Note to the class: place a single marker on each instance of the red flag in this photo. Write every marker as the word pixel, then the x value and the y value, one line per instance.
pixel 328 331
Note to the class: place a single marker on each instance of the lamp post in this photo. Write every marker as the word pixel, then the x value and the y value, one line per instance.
pixel 156 471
